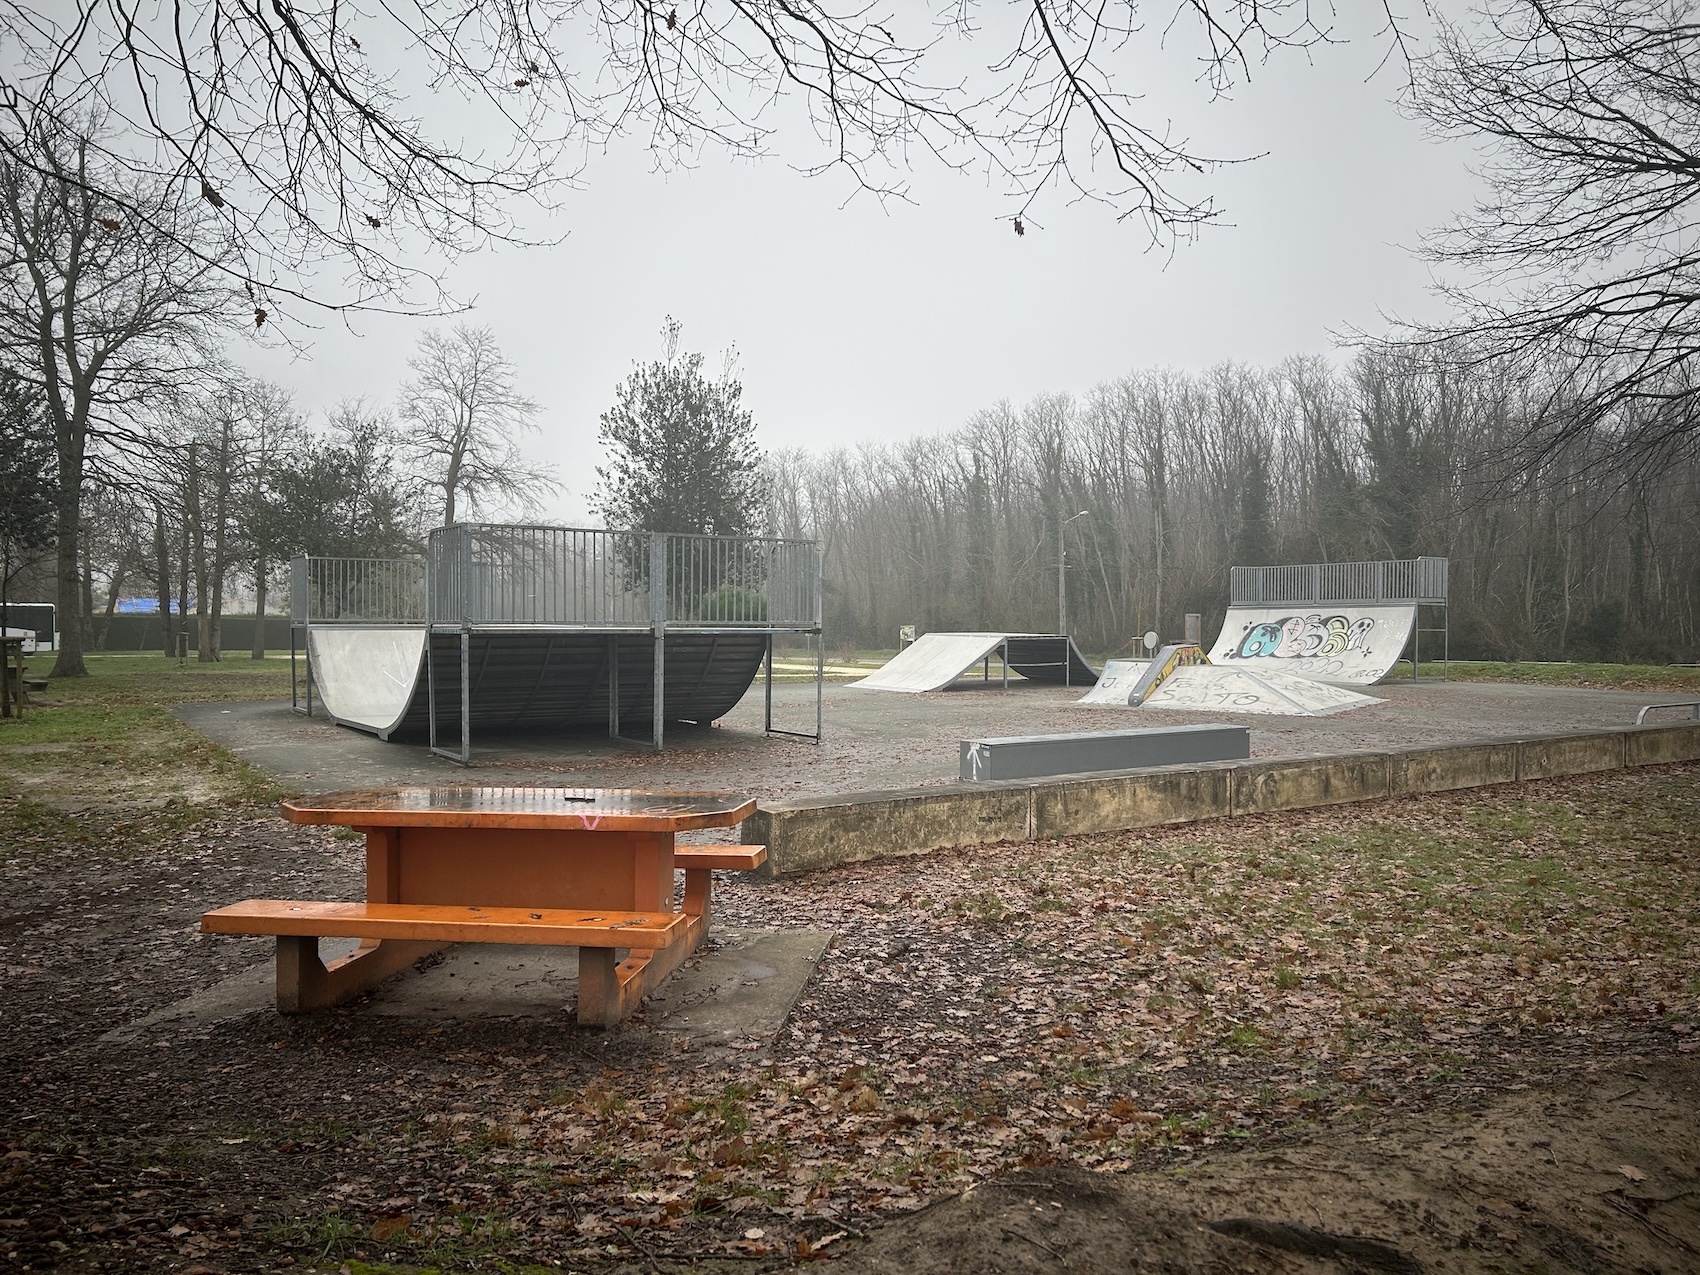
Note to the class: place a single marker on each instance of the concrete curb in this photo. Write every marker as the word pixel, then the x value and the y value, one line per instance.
pixel 821 832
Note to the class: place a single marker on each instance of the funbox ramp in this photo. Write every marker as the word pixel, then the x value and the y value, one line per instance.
pixel 374 679
pixel 1349 645
pixel 1212 688
pixel 934 660
pixel 1116 682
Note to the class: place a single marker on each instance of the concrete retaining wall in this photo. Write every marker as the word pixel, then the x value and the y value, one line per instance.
pixel 819 832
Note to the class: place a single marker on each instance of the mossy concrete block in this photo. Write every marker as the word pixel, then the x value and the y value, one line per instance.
pixel 813 833
pixel 1445 767
pixel 1581 753
pixel 1655 745
pixel 1115 801
pixel 1295 783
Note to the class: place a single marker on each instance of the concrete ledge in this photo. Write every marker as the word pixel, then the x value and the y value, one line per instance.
pixel 1297 783
pixel 1578 754
pixel 810 833
pixel 1451 766
pixel 818 832
pixel 1141 799
pixel 1655 745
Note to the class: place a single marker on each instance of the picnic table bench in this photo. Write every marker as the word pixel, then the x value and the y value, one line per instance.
pixel 591 868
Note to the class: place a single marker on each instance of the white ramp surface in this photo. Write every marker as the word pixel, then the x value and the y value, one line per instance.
pixel 1116 683
pixel 366 677
pixel 932 662
pixel 1350 645
pixel 1213 689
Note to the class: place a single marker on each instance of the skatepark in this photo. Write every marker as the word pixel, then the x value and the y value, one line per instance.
pixel 877 741
pixel 547 639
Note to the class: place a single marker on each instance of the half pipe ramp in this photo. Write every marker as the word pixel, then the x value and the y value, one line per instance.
pixel 374 679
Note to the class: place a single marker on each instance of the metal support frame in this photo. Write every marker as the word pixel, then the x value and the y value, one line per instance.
pixel 464 755
pixel 306 683
pixel 658 621
pixel 1443 630
pixel 817 642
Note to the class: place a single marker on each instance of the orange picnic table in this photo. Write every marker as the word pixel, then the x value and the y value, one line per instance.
pixel 591 868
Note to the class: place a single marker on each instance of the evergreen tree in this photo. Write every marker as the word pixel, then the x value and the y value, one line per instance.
pixel 28 493
pixel 682 453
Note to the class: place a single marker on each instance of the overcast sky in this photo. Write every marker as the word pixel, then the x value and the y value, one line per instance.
pixel 860 322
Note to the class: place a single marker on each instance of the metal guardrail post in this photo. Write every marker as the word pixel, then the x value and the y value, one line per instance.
pixel 658 625
pixel 465 696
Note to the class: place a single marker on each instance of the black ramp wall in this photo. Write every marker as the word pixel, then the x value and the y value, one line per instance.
pixel 533 680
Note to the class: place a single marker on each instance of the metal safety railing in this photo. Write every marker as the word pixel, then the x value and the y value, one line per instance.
pixel 357 590
pixel 563 576
pixel 1422 581
pixel 487 574
pixel 1692 705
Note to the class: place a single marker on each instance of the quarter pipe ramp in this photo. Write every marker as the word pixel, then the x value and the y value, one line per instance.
pixel 1347 645
pixel 935 660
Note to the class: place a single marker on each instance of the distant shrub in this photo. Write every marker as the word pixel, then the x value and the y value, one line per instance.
pixel 730 605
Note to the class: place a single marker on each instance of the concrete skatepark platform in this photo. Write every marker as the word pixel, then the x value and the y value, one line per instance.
pixel 875 741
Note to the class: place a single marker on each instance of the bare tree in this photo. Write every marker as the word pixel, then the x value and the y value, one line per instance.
pixel 274 427
pixel 466 415
pixel 1580 270
pixel 295 120
pixel 102 310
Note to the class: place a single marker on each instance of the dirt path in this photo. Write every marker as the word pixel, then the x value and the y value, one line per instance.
pixel 1576 1168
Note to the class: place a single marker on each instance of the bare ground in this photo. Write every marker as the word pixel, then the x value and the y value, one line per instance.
pixel 1448 1034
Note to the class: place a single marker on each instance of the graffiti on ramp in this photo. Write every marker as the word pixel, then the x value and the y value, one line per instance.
pixel 1352 645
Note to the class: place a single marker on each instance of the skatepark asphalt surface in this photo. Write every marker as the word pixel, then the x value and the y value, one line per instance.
pixel 873 740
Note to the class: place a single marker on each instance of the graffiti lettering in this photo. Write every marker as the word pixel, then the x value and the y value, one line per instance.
pixel 1298 637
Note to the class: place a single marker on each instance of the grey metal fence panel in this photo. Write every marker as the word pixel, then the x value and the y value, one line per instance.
pixel 357 590
pixel 566 576
pixel 1410 580
pixel 493 574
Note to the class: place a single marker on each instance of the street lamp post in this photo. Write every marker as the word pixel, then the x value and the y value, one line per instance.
pixel 1062 571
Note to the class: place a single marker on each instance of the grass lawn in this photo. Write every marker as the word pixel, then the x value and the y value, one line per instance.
pixel 1617 677
pixel 98 751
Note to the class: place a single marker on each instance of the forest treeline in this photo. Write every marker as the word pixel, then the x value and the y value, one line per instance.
pixel 1587 552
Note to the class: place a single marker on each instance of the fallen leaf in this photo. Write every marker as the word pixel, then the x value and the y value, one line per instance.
pixel 1632 1173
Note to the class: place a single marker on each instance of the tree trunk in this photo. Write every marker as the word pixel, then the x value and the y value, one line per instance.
pixel 196 518
pixel 162 579
pixel 259 651
pixel 182 633
pixel 85 609
pixel 112 590
pixel 68 575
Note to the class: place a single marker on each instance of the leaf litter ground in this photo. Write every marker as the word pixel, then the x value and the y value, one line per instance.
pixel 1456 1032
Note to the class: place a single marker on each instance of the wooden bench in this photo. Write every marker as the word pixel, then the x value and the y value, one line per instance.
pixel 656 942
